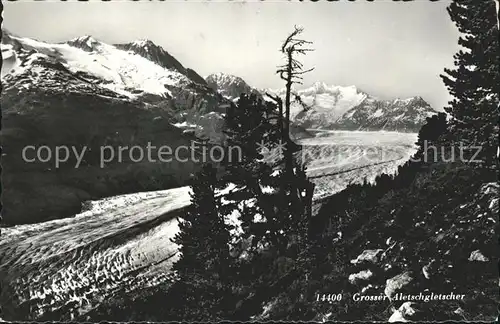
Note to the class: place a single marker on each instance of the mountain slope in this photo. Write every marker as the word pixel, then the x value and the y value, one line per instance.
pixel 154 53
pixel 89 95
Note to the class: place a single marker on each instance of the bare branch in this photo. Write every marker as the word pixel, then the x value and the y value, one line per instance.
pixel 275 98
pixel 290 37
pixel 303 72
pixel 299 100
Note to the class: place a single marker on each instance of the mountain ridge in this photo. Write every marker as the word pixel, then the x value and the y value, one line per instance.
pixel 332 107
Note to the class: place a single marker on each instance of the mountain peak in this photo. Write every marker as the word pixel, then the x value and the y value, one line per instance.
pixel 86 42
pixel 84 38
pixel 416 100
pixel 319 85
pixel 229 86
pixel 143 42
pixel 158 55
pixel 146 44
pixel 323 87
pixel 224 77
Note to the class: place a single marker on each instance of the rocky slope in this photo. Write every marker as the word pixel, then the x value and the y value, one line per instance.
pixel 454 252
pixel 426 251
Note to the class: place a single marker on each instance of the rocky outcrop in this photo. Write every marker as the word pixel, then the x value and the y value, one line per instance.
pixel 230 86
pixel 454 254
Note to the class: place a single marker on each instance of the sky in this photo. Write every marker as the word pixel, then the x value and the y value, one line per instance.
pixel 388 49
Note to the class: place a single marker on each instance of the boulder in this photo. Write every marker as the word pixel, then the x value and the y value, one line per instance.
pixel 428 269
pixel 493 207
pixel 459 311
pixel 492 188
pixel 396 283
pixel 368 256
pixel 402 314
pixel 362 275
pixel 478 256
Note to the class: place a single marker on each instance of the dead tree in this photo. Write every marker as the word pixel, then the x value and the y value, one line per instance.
pixel 291 72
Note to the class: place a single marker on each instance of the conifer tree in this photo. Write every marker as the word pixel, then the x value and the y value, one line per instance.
pixel 249 128
pixel 288 203
pixel 475 80
pixel 204 269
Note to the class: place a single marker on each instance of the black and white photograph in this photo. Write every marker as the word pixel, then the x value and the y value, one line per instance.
pixel 250 161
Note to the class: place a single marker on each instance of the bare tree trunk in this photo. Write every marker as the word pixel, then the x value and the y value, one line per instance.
pixel 288 152
pixel 497 6
pixel 288 91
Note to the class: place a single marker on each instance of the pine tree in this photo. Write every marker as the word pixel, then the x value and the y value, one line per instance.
pixel 273 195
pixel 433 132
pixel 250 122
pixel 475 80
pixel 204 269
pixel 249 127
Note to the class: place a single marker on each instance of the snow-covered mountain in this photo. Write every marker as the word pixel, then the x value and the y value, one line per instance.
pixel 331 101
pixel 407 115
pixel 331 107
pixel 348 108
pixel 136 70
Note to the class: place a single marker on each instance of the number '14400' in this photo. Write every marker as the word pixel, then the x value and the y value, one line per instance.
pixel 328 297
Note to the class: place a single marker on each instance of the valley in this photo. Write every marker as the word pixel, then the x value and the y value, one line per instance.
pixel 65 268
pixel 74 238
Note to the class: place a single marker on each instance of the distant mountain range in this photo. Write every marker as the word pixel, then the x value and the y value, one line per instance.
pixel 330 107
